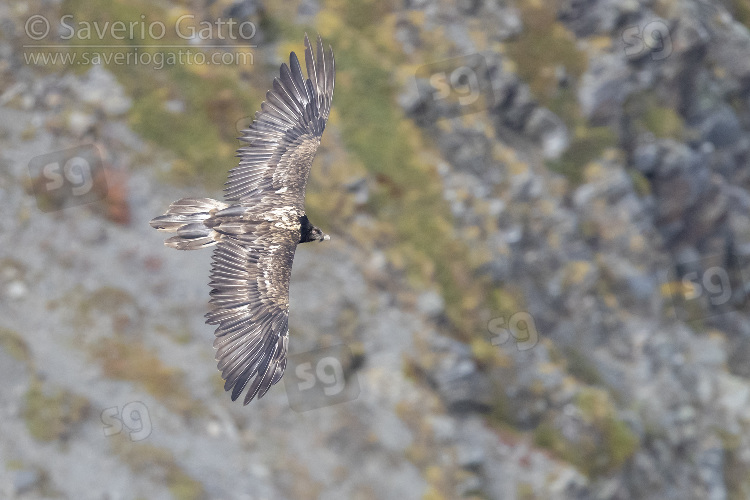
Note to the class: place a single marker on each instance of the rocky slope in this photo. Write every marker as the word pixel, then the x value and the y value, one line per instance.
pixel 536 286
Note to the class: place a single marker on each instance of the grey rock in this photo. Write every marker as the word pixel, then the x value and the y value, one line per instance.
pixel 408 35
pixel 472 485
pixel 721 128
pixel 175 106
pixel 711 463
pixel 360 188
pixel 469 7
pixel 646 157
pixel 460 384
pixel 430 303
pixel 80 123
pixel 604 88
pixel 243 8
pixel 100 88
pixel 515 106
pixel 549 130
pixel 463 388
pixel 468 150
pixel 308 9
pixel 25 480
pixel 470 456
pixel 417 102
pixel 587 17
pixel 417 4
pixel 16 290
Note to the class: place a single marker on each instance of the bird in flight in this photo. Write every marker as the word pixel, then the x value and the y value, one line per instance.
pixel 256 231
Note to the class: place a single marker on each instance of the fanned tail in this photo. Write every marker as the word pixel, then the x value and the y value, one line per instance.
pixel 187 217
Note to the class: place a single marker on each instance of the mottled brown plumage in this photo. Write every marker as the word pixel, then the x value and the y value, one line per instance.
pixel 257 230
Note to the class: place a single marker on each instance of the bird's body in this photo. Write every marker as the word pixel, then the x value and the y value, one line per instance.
pixel 257 229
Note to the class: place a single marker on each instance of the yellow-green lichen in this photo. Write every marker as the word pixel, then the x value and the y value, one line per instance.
pixel 51 414
pixel 649 113
pixel 160 464
pixel 116 303
pixel 618 441
pixel 131 360
pixel 605 443
pixel 736 470
pixel 13 343
pixel 641 184
pixel 588 144
pixel 525 491
pixel 741 11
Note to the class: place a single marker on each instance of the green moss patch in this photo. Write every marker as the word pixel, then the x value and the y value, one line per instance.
pixel 605 444
pixel 589 143
pixel 543 46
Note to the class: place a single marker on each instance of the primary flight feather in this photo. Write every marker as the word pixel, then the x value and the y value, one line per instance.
pixel 257 230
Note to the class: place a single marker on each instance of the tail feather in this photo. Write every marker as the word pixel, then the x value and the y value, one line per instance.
pixel 181 243
pixel 186 217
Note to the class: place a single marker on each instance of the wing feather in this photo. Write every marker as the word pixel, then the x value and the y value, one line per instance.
pixel 286 133
pixel 250 279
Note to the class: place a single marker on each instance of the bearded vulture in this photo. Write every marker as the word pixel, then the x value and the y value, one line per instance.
pixel 256 230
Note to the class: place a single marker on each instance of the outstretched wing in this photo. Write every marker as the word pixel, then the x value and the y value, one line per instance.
pixel 250 279
pixel 286 132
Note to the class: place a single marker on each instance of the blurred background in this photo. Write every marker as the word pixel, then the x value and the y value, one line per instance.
pixel 536 286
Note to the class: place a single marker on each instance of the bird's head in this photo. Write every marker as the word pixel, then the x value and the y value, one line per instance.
pixel 317 235
pixel 308 232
